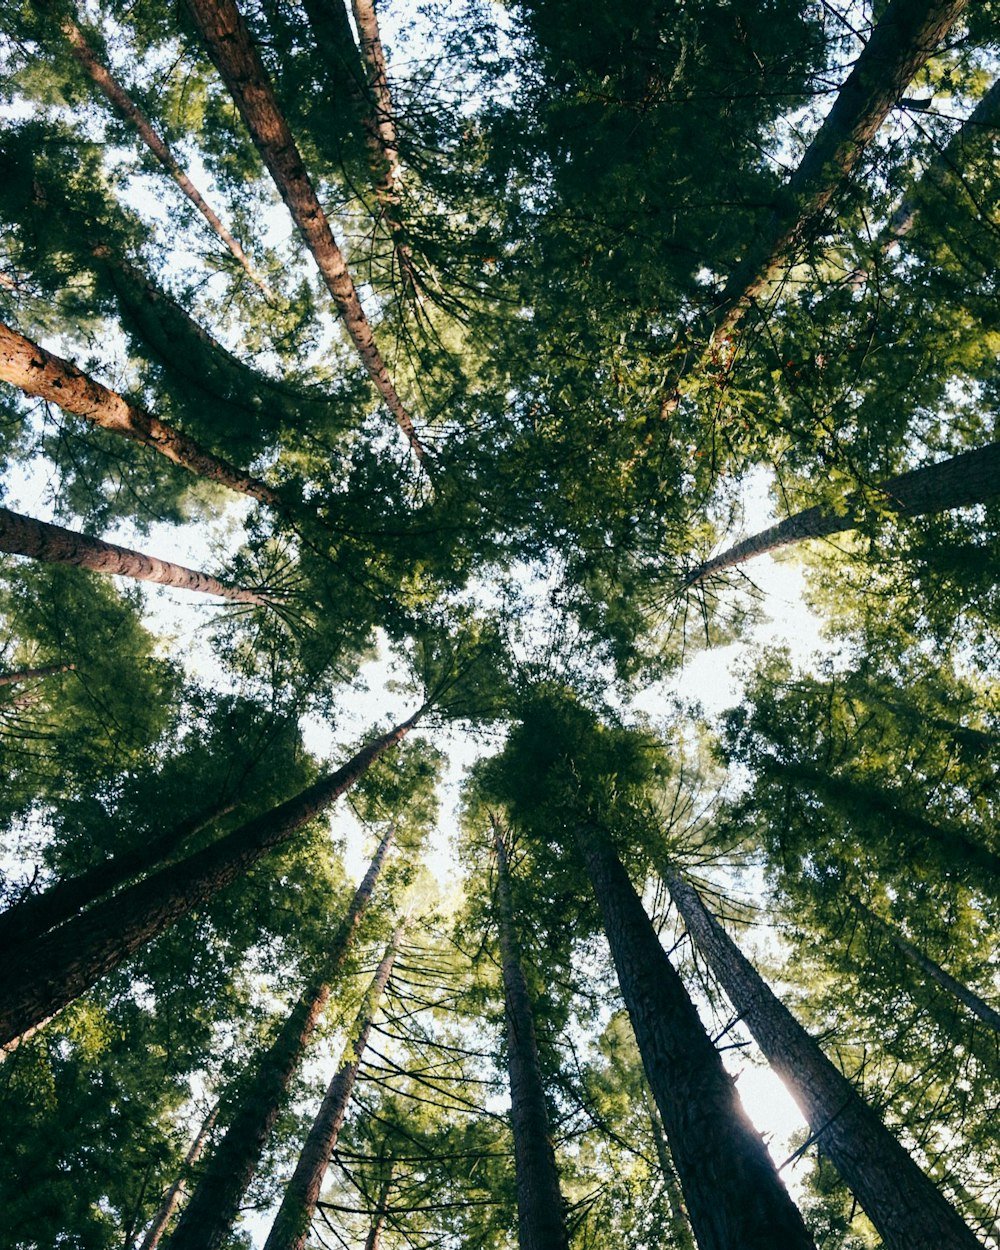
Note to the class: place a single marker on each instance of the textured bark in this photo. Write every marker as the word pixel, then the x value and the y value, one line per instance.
pixel 915 956
pixel 298 1205
pixel 179 1187
pixel 540 1221
pixel 33 916
pixel 209 1216
pixel 126 107
pixel 26 674
pixel 39 540
pixel 680 1225
pixel 734 1197
pixel 971 477
pixel 231 49
pixel 38 372
pixel 906 1207
pixel 374 1238
pixel 45 976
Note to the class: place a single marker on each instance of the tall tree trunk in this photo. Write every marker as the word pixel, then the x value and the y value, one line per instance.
pixel 733 1193
pixel 40 540
pixel 374 1238
pixel 229 45
pixel 209 1215
pixel 913 955
pixel 45 976
pixel 34 915
pixel 126 107
pixel 540 1221
pixel 26 674
pixel 680 1225
pixel 179 1187
pixel 298 1206
pixel 907 1209
pixel 971 477
pixel 39 372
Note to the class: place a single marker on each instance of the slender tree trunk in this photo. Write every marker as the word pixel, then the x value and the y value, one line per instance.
pixel 906 1207
pixel 26 674
pixel 126 107
pixel 733 1193
pixel 34 915
pixel 969 478
pixel 374 1238
pixel 210 1214
pixel 680 1225
pixel 913 955
pixel 39 372
pixel 540 1220
pixel 229 45
pixel 40 540
pixel 179 1187
pixel 45 976
pixel 298 1206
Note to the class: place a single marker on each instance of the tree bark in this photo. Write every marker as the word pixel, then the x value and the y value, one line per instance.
pixel 126 107
pixel 45 976
pixel 540 1221
pixel 680 1225
pixel 374 1238
pixel 906 1207
pixel 209 1216
pixel 969 478
pixel 26 674
pixel 39 372
pixel 234 56
pixel 179 1187
pixel 733 1194
pixel 40 540
pixel 298 1206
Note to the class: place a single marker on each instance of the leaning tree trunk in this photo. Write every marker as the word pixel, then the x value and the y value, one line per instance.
pixel 540 1221
pixel 214 1206
pixel 906 1207
pixel 971 477
pixel 39 540
pixel 179 1187
pixel 680 1225
pixel 298 1206
pixel 39 372
pixel 44 977
pixel 27 674
pixel 733 1194
pixel 229 45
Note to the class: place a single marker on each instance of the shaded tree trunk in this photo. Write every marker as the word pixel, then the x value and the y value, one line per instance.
pixel 540 1220
pixel 39 372
pixel 44 976
pixel 26 674
pixel 229 45
pixel 298 1206
pixel 971 477
pixel 680 1225
pixel 374 1238
pixel 906 1207
pixel 40 540
pixel 733 1194
pixel 210 1214
pixel 179 1187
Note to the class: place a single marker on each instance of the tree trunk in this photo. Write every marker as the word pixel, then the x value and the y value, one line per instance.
pixel 26 674
pixel 733 1193
pixel 39 372
pixel 913 955
pixel 45 976
pixel 971 477
pixel 540 1221
pixel 229 45
pixel 214 1206
pixel 374 1238
pixel 126 107
pixel 39 540
pixel 179 1187
pixel 907 1209
pixel 33 916
pixel 680 1225
pixel 298 1206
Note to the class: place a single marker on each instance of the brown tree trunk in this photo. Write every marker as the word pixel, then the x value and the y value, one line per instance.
pixel 39 372
pixel 969 478
pixel 26 674
pixel 126 107
pixel 907 1209
pixel 680 1226
pixel 540 1221
pixel 374 1238
pixel 733 1194
pixel 179 1187
pixel 45 976
pixel 298 1206
pixel 229 45
pixel 40 540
